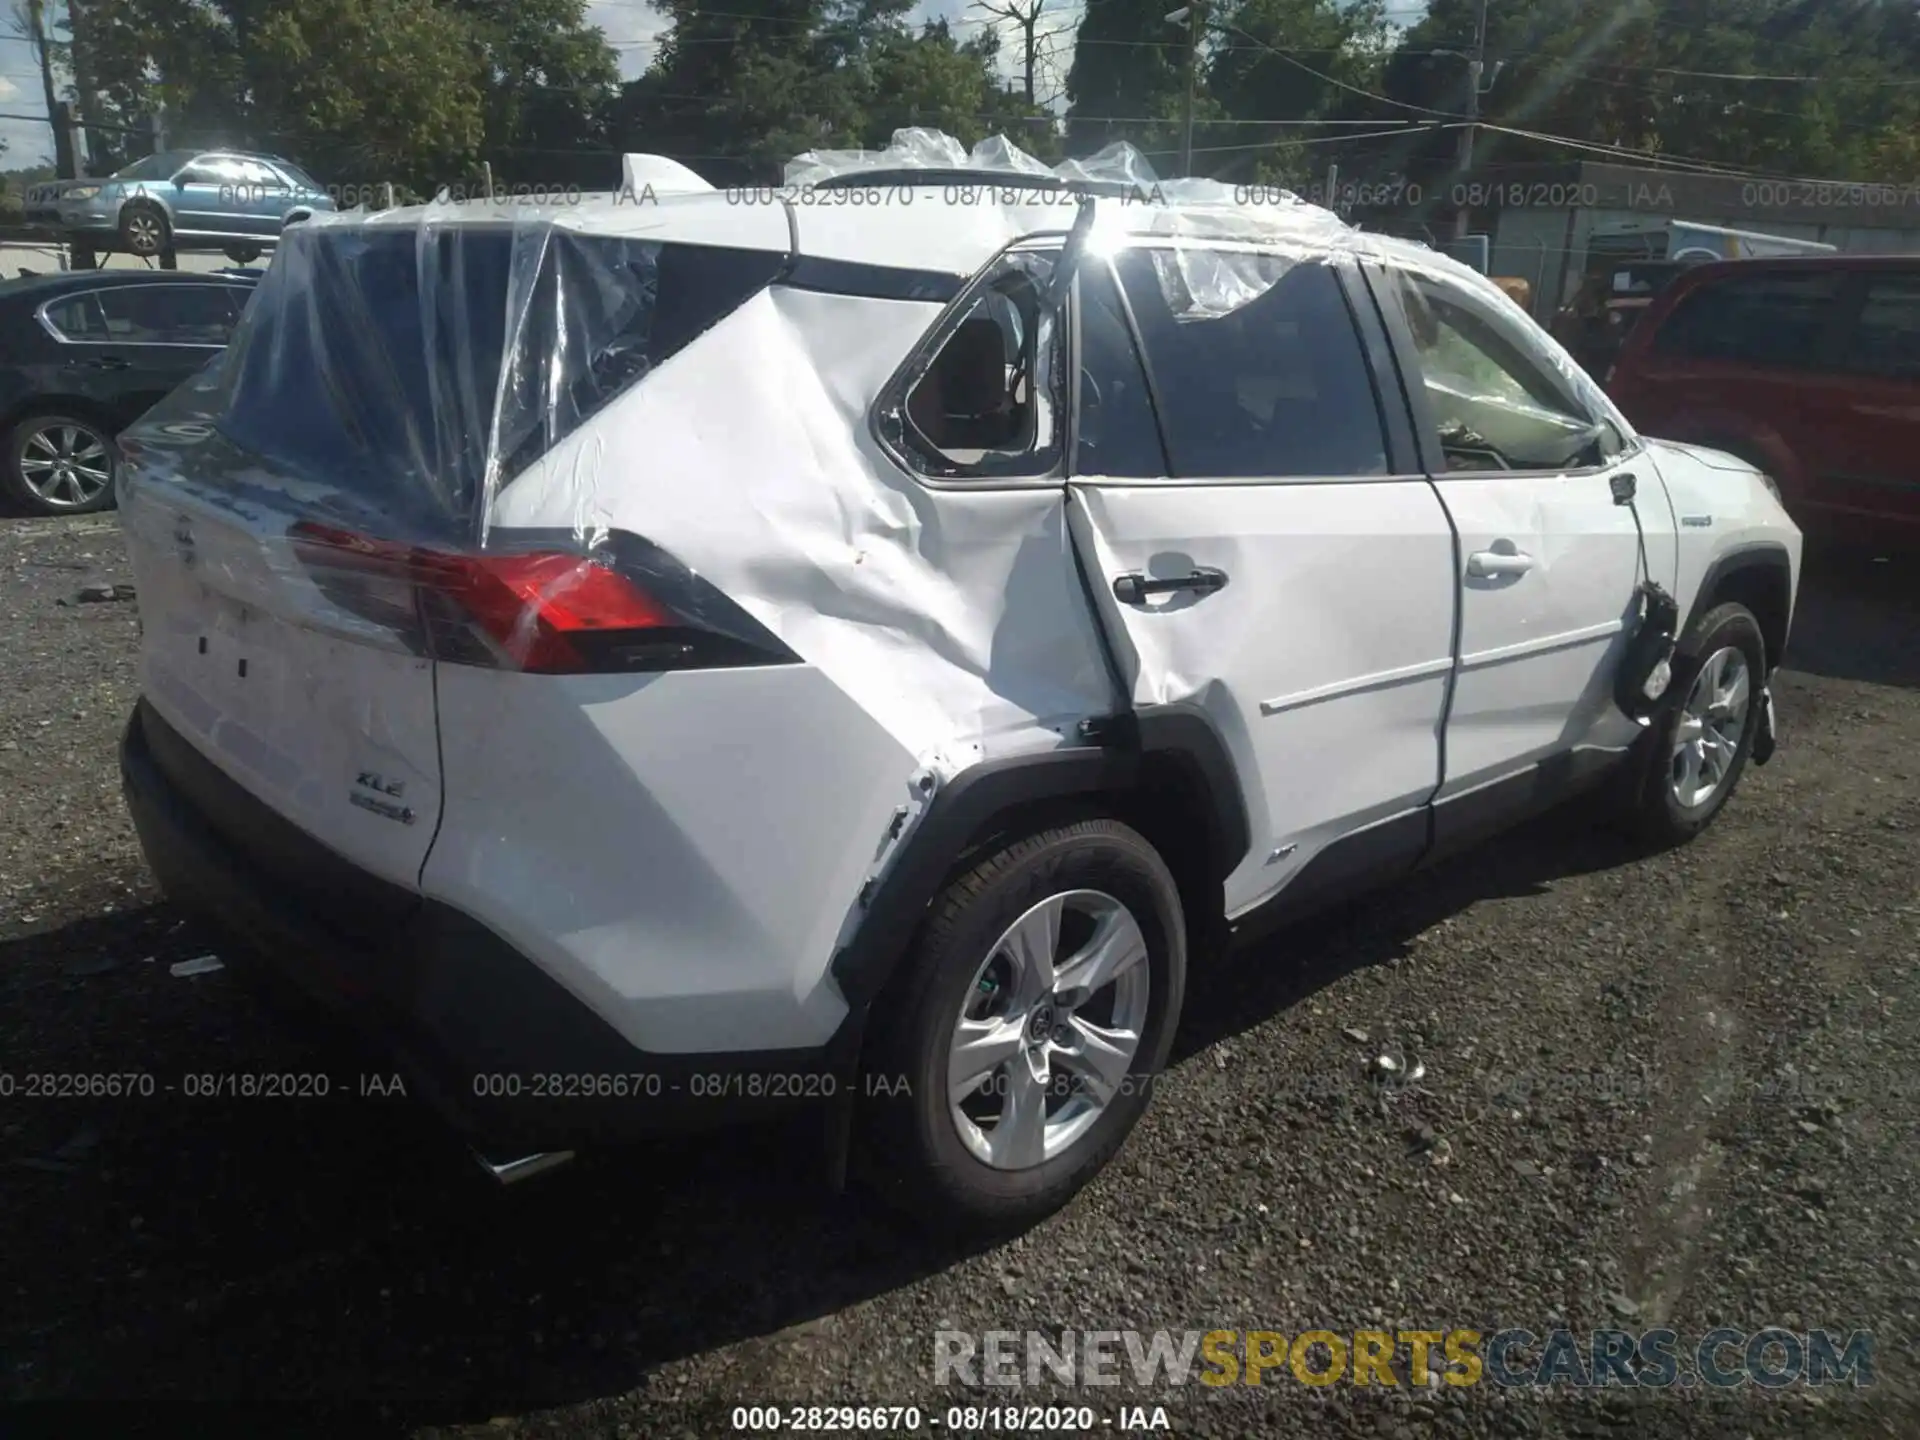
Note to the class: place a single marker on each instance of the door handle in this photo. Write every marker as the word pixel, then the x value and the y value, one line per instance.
pixel 1484 564
pixel 100 362
pixel 1134 588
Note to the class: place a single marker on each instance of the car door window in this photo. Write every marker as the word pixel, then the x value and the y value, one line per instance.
pixel 203 173
pixel 169 314
pixel 1497 400
pixel 1771 318
pixel 79 318
pixel 1256 362
pixel 986 400
pixel 1885 340
pixel 1117 434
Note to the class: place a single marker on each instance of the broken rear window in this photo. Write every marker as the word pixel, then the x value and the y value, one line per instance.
pixel 394 363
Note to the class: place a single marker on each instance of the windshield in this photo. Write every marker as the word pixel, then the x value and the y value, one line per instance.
pixel 294 173
pixel 154 167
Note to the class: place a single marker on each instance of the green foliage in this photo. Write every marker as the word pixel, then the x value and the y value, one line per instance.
pixel 743 86
pixel 1649 75
pixel 421 91
pixel 360 91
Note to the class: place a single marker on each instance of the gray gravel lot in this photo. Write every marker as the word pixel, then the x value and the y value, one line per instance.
pixel 1679 1090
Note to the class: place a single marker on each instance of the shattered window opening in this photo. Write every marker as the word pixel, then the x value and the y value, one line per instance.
pixel 988 402
pixel 1495 405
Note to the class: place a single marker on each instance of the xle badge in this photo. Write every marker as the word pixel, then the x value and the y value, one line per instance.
pixel 370 792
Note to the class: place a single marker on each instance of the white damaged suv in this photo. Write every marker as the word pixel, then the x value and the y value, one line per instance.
pixel 687 653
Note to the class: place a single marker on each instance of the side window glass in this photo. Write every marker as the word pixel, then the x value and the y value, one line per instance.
pixel 1496 403
pixel 1771 318
pixel 168 314
pixel 1257 363
pixel 1118 435
pixel 202 173
pixel 1886 337
pixel 78 317
pixel 988 401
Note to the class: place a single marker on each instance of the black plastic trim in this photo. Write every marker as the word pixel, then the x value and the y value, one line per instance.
pixel 967 806
pixel 1351 866
pixel 1154 400
pixel 451 1002
pixel 872 282
pixel 1406 360
pixel 1389 393
pixel 1758 555
pixel 1464 820
pixel 360 905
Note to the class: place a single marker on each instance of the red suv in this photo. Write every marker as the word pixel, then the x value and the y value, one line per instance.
pixel 1808 368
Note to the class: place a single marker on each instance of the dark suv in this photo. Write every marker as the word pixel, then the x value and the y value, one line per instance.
pixel 1807 368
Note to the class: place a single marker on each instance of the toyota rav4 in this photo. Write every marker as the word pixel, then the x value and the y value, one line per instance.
pixel 669 657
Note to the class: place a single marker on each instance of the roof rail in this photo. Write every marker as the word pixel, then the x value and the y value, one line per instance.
pixel 902 175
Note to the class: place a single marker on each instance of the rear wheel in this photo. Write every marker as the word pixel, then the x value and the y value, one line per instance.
pixel 1037 1006
pixel 58 465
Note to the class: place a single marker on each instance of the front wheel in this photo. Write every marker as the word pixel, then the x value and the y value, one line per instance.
pixel 1705 731
pixel 1031 1018
pixel 144 230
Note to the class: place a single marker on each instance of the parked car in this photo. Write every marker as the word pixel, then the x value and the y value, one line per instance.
pixel 223 200
pixel 84 353
pixel 1807 369
pixel 866 652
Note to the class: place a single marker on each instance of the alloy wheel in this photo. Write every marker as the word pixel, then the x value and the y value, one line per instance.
pixel 143 233
pixel 1711 724
pixel 65 464
pixel 1047 1035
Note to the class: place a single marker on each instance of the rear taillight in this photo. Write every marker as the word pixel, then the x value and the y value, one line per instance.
pixel 545 611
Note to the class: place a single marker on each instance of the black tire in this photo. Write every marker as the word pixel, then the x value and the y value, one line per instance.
pixel 144 230
pixel 243 255
pixel 911 1150
pixel 21 495
pixel 1659 817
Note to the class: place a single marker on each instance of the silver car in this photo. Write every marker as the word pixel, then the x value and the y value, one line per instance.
pixel 226 200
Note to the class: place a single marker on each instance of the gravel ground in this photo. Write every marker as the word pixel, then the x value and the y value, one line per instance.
pixel 1677 1090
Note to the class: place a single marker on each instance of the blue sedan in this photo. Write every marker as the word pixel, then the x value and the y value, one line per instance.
pixel 227 200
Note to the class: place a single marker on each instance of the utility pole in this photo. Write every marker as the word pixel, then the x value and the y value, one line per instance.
pixel 1191 14
pixel 1476 65
pixel 1193 70
pixel 63 156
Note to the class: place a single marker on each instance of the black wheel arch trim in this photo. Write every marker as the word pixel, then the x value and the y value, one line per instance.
pixel 968 805
pixel 1756 555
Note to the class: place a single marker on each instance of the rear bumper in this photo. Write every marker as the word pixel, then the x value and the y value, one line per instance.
pixel 510 1057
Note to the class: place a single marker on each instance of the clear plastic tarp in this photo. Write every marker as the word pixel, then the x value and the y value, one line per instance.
pixel 396 374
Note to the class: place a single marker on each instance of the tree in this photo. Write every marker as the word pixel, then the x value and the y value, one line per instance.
pixel 1128 80
pixel 549 81
pixel 368 89
pixel 1263 68
pixel 1675 78
pixel 413 91
pixel 742 87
